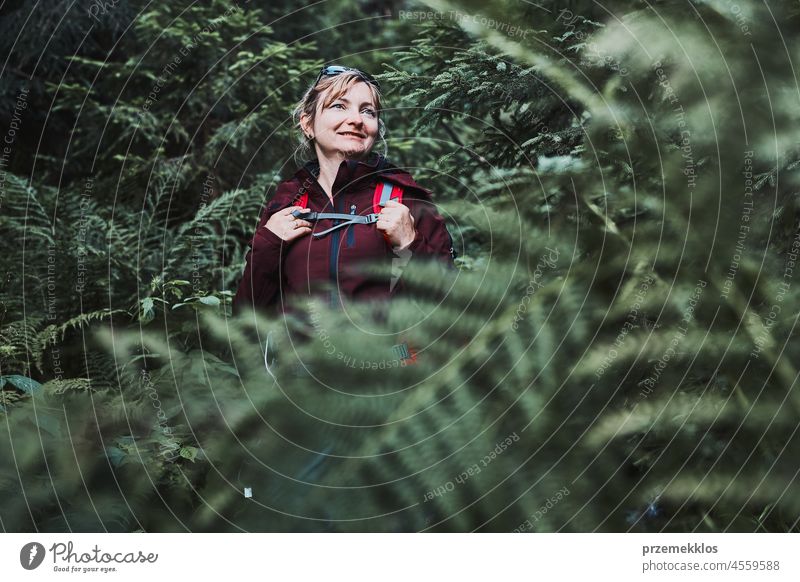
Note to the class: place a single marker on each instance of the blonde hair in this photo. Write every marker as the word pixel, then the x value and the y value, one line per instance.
pixel 338 85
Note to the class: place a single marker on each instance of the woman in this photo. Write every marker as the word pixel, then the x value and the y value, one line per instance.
pixel 299 248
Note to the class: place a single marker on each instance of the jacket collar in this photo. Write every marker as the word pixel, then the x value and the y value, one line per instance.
pixel 353 170
pixel 349 170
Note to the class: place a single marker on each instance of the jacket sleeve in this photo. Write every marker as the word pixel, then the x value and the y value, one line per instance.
pixel 432 239
pixel 260 283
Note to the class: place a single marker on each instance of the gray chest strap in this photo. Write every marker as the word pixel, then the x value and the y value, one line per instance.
pixel 348 218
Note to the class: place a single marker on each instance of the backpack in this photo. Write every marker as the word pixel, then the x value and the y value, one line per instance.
pixel 384 191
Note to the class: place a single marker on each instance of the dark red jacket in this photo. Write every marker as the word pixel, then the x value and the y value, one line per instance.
pixel 327 266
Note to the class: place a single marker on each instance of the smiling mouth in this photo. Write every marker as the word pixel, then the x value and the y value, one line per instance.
pixel 351 134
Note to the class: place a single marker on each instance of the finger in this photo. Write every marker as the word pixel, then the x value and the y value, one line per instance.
pixel 288 211
pixel 396 211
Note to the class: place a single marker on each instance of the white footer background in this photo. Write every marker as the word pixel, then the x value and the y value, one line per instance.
pixel 406 557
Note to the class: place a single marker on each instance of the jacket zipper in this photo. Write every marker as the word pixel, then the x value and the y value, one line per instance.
pixel 351 233
pixel 334 257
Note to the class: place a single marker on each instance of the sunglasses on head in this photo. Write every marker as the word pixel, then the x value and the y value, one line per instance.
pixel 333 70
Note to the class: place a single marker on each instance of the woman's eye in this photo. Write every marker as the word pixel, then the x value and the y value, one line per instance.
pixel 337 105
pixel 370 112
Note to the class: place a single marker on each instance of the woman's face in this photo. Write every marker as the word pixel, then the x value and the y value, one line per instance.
pixel 348 126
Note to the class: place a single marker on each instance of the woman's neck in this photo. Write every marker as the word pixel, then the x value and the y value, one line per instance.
pixel 328 168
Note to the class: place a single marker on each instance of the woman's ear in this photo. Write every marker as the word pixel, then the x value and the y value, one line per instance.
pixel 305 125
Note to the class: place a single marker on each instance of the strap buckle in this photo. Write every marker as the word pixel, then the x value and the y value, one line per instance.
pixel 304 215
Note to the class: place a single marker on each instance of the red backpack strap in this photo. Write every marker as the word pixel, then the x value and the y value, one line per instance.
pixel 385 191
pixel 302 202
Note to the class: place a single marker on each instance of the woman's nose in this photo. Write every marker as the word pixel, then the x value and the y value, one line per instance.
pixel 354 116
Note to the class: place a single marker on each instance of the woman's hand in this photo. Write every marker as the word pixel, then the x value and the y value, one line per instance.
pixel 286 226
pixel 396 224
